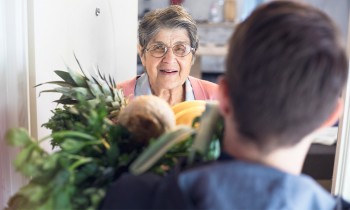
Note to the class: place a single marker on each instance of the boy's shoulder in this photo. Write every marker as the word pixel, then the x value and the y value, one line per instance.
pixel 147 191
pixel 223 184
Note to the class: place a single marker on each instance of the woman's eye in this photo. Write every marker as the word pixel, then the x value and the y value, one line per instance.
pixel 158 48
pixel 179 48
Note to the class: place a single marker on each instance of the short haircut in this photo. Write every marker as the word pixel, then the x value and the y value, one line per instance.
pixel 174 16
pixel 286 68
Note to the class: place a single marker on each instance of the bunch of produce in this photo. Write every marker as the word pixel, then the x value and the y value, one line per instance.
pixel 100 135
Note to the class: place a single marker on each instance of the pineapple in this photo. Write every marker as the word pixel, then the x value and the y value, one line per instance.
pixel 84 87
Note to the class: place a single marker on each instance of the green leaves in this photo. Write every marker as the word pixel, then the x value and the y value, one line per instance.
pixel 73 134
pixel 211 126
pixel 72 146
pixel 30 155
pixel 88 160
pixel 154 153
pixel 91 147
pixel 22 158
pixel 66 77
pixel 86 87
pixel 77 78
pixel 18 137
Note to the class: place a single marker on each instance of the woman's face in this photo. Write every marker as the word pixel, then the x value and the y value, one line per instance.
pixel 169 71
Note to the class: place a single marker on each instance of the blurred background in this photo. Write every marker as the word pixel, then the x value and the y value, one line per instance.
pixel 216 22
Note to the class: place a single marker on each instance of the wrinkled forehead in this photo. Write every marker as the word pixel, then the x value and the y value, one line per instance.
pixel 170 37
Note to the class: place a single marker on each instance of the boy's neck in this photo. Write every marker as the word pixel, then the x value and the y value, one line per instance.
pixel 288 159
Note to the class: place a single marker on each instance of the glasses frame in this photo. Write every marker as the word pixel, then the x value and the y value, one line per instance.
pixel 172 49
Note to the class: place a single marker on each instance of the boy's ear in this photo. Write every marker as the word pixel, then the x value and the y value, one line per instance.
pixel 223 96
pixel 334 116
pixel 142 57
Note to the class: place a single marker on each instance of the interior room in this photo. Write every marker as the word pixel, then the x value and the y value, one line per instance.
pixel 39 37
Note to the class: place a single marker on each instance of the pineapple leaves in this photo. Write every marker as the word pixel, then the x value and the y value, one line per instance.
pixel 95 89
pixel 81 69
pixel 75 91
pixel 66 101
pixel 48 91
pixel 87 87
pixel 77 78
pixel 60 83
pixel 66 77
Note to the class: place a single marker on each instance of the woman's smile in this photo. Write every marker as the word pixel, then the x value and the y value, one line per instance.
pixel 168 71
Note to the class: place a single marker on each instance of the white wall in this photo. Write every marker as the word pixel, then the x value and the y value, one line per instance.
pixel 62 27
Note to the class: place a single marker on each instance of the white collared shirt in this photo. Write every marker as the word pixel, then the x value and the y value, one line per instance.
pixel 143 88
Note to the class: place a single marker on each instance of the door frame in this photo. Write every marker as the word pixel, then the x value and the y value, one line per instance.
pixel 341 171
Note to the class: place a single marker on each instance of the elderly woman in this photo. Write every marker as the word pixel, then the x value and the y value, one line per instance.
pixel 167 45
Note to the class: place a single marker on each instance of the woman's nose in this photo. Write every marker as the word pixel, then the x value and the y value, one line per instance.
pixel 169 56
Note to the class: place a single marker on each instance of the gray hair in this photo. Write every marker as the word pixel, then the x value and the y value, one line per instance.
pixel 173 16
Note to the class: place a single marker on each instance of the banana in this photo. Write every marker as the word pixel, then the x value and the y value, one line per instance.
pixel 186 116
pixel 187 104
pixel 205 132
pixel 153 153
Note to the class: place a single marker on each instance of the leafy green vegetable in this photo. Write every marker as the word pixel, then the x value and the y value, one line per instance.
pixel 77 175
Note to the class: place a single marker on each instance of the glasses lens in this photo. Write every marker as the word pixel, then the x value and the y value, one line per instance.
pixel 181 50
pixel 158 50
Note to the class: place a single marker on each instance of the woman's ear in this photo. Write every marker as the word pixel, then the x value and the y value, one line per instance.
pixel 193 59
pixel 224 97
pixel 334 116
pixel 142 57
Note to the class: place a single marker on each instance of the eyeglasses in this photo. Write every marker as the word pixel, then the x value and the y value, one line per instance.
pixel 160 50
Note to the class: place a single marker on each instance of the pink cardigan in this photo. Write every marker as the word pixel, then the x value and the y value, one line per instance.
pixel 203 90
